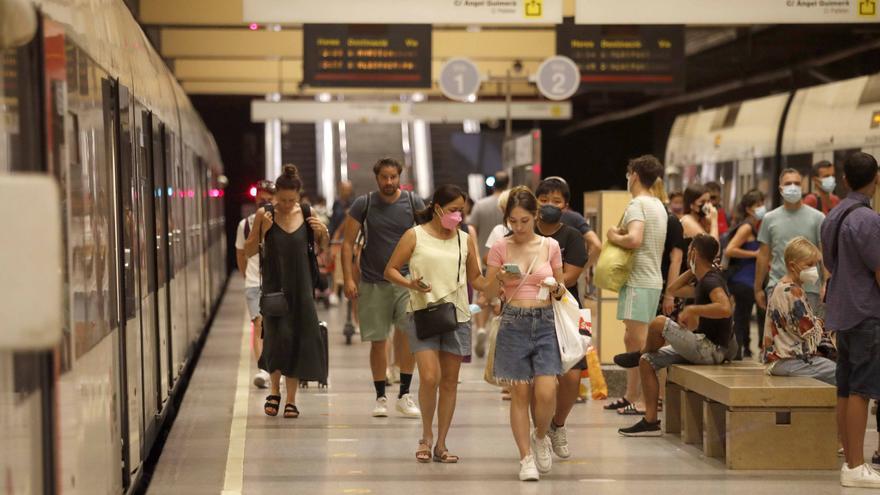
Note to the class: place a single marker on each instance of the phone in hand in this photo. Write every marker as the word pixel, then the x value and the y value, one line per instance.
pixel 269 208
pixel 422 284
pixel 511 268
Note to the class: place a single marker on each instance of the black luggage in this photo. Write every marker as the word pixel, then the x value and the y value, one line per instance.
pixel 322 328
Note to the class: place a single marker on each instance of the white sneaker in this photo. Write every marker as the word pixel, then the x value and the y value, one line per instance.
pixel 261 379
pixel 527 469
pixel 863 476
pixel 480 348
pixel 381 409
pixel 407 407
pixel 543 457
pixel 559 441
pixel 333 299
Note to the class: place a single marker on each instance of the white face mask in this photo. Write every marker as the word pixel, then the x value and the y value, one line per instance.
pixel 828 184
pixel 792 194
pixel 760 212
pixel 810 275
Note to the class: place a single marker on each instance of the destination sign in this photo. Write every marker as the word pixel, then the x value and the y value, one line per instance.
pixel 367 55
pixel 625 58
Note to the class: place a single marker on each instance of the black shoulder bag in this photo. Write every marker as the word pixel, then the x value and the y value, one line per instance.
pixel 271 303
pixel 440 318
pixel 318 282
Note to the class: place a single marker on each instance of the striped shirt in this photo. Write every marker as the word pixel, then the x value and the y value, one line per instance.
pixel 646 271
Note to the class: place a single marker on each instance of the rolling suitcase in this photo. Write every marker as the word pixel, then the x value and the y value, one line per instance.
pixel 322 328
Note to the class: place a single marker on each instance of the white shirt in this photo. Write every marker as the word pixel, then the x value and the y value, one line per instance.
pixel 252 273
pixel 497 234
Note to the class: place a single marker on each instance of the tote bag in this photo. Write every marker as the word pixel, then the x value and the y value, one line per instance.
pixel 614 266
pixel 567 316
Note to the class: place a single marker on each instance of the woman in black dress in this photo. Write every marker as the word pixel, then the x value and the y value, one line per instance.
pixel 291 343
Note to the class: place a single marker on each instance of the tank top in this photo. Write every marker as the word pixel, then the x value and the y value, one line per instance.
pixel 435 260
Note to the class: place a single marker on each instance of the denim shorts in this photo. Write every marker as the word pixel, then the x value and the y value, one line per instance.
pixel 252 296
pixel 858 360
pixel 457 342
pixel 526 345
pixel 818 367
pixel 685 347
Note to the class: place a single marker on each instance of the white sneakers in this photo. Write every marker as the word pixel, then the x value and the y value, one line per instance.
pixel 262 379
pixel 863 476
pixel 480 348
pixel 381 409
pixel 407 407
pixel 541 450
pixel 528 471
pixel 559 441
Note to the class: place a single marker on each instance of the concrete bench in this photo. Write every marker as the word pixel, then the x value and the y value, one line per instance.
pixel 752 420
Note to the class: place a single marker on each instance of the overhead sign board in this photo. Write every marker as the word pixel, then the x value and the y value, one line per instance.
pixel 459 79
pixel 625 58
pixel 461 12
pixel 558 78
pixel 382 111
pixel 367 55
pixel 607 12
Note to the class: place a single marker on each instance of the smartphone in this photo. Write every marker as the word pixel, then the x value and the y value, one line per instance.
pixel 511 268
pixel 422 284
pixel 269 208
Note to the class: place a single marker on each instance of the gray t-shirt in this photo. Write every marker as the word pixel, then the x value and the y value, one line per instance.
pixel 385 225
pixel 484 217
pixel 780 226
pixel 646 272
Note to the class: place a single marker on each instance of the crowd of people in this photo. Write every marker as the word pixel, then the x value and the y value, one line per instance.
pixel 426 277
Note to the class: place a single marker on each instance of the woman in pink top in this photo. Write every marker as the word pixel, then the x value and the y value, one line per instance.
pixel 529 267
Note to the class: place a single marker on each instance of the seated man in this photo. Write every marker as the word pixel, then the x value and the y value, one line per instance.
pixel 702 335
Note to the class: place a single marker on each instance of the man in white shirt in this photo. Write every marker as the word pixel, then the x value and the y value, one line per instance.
pixel 250 269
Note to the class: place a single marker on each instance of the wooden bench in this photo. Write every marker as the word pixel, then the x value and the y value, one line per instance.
pixel 751 419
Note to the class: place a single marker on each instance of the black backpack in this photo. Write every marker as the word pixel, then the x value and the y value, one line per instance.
pixel 362 235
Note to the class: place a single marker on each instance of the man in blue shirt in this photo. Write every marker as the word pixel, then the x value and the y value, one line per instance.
pixel 850 240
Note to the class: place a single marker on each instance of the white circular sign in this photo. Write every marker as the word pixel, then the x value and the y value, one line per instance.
pixel 558 78
pixel 459 79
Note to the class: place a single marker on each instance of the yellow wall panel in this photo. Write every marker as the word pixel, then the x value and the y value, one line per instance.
pixel 243 69
pixel 506 44
pixel 191 12
pixel 231 43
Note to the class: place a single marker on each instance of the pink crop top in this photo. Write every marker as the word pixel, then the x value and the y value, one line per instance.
pixel 529 290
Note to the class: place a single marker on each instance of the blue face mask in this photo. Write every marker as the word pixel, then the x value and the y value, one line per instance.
pixel 760 212
pixel 828 184
pixel 792 193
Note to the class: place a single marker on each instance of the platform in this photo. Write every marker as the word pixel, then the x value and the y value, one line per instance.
pixel 336 447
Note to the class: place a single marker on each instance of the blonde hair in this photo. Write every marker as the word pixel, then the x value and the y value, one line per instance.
pixel 502 199
pixel 658 190
pixel 800 249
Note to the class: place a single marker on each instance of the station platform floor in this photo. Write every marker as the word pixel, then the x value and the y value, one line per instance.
pixel 222 442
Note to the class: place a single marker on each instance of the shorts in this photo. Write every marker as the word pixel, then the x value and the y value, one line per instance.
pixel 379 307
pixel 858 360
pixel 526 345
pixel 818 367
pixel 252 296
pixel 684 347
pixel 637 304
pixel 457 342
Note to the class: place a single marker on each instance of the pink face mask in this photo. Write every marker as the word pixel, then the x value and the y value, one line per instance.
pixel 451 220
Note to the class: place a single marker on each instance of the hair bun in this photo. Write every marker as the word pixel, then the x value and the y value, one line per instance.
pixel 290 170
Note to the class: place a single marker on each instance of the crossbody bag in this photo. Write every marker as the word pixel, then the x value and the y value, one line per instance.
pixel 439 318
pixel 271 303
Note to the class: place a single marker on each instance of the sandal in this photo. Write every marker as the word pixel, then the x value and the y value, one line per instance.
pixel 630 410
pixel 271 406
pixel 423 455
pixel 618 404
pixel 445 457
pixel 290 411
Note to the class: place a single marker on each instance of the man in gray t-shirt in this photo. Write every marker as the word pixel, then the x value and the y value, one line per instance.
pixel 486 215
pixel 382 217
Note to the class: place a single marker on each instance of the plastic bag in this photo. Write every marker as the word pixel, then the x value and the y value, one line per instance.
pixel 567 315
pixel 598 386
pixel 489 370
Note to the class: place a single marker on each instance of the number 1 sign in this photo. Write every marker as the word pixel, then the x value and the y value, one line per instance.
pixel 459 79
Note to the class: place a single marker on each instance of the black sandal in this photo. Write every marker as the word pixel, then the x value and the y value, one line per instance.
pixel 290 411
pixel 271 406
pixel 619 404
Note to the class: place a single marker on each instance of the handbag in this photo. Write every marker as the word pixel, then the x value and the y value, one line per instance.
pixel 271 303
pixel 439 318
pixel 567 318
pixel 614 265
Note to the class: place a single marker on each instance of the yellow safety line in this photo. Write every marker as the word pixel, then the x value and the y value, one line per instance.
pixel 232 484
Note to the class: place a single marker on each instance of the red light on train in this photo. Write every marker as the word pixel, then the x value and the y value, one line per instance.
pixel 253 191
pixel 254 26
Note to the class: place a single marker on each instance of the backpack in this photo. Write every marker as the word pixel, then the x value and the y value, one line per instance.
pixel 362 235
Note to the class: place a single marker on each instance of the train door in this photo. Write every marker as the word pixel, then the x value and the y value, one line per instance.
pixel 144 195
pixel 163 295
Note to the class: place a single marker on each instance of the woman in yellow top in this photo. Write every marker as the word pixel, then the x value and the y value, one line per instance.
pixel 442 259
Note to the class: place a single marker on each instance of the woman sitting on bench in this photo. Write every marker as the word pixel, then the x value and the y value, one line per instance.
pixel 793 334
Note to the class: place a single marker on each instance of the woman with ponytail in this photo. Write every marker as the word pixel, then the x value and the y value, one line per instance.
pixel 442 259
pixel 292 344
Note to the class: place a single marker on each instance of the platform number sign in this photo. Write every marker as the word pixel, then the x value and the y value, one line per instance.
pixel 558 78
pixel 460 79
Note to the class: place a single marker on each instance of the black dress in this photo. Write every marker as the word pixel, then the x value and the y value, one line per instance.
pixel 291 343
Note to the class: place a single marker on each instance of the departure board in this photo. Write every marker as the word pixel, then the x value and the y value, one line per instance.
pixel 368 55
pixel 625 58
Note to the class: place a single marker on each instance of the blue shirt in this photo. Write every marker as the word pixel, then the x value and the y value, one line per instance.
pixel 853 295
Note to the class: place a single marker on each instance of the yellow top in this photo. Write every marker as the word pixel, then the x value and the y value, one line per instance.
pixel 435 260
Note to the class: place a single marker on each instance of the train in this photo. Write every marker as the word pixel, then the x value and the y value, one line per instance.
pixel 88 101
pixel 746 144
